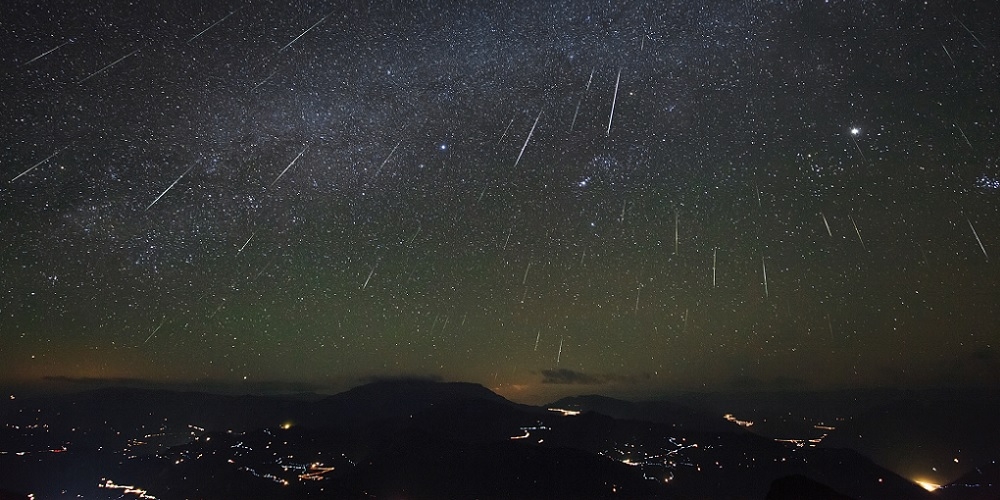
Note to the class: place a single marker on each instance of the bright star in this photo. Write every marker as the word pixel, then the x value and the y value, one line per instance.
pixel 855 131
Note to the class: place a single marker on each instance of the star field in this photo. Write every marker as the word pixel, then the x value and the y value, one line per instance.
pixel 644 195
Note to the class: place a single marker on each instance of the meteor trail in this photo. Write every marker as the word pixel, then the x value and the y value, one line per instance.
pixel 858 231
pixel 47 52
pixel 763 266
pixel 613 101
pixel 677 234
pixel 387 158
pixel 289 165
pixel 862 153
pixel 532 131
pixel 419 228
pixel 964 136
pixel 506 130
pixel 155 330
pixel 948 54
pixel 575 113
pixel 169 187
pixel 974 233
pixel 289 44
pixel 22 174
pixel 827 224
pixel 120 59
pixel 966 28
pixel 369 278
pixel 247 242
pixel 262 82
pixel 213 25
pixel 715 252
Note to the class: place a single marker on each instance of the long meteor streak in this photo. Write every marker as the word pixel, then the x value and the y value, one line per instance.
pixel 102 70
pixel 289 166
pixel 763 266
pixel 613 101
pixel 47 52
pixel 532 131
pixel 289 44
pixel 22 174
pixel 172 184
pixel 974 233
pixel 212 25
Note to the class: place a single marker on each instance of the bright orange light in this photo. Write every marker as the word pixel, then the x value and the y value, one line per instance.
pixel 929 486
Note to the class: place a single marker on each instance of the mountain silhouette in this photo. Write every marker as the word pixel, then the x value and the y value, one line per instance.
pixel 980 483
pixel 404 438
pixel 663 412
pixel 798 487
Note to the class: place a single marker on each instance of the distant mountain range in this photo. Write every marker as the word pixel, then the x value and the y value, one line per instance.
pixel 414 439
pixel 661 412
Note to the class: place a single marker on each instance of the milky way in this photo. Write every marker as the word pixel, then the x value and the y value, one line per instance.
pixel 643 195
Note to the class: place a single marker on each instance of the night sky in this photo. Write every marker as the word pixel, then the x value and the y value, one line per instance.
pixel 547 196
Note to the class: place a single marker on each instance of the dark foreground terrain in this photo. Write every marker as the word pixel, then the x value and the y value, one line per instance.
pixel 417 439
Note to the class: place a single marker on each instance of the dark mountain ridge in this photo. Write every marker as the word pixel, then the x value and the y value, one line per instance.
pixel 663 412
pixel 403 438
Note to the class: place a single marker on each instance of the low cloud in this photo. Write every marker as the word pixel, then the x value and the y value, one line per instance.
pixel 780 383
pixel 569 377
pixel 212 386
pixel 400 378
pixel 565 376
pixel 974 368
